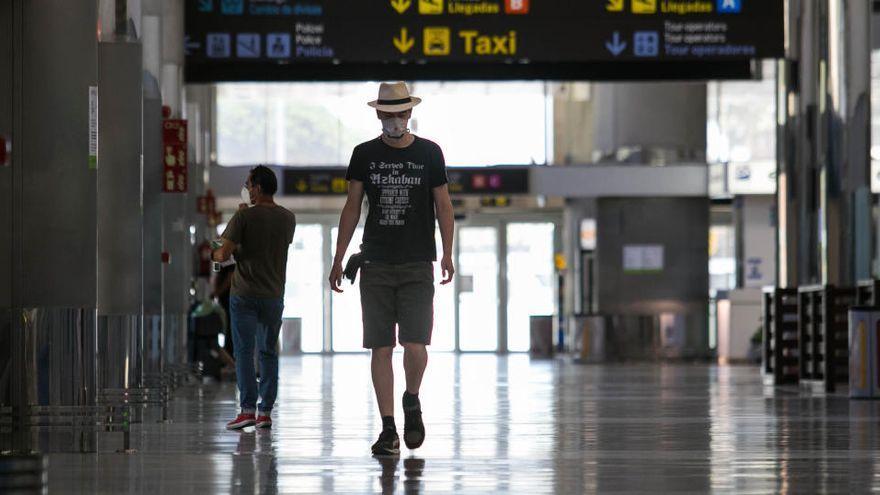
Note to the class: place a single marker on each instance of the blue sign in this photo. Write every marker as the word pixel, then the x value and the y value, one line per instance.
pixel 206 5
pixel 646 43
pixel 232 7
pixel 615 45
pixel 754 269
pixel 729 6
pixel 218 45
pixel 278 45
pixel 247 45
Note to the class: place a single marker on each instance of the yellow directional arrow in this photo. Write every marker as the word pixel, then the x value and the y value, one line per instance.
pixel 401 6
pixel 403 42
pixel 614 6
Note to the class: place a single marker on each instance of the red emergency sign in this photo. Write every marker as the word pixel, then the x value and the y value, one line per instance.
pixel 174 176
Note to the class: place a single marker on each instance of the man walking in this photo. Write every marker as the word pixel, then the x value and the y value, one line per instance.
pixel 259 236
pixel 404 179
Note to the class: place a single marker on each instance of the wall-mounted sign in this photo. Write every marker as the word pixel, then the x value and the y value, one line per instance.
pixel 448 39
pixel 647 258
pixel 174 174
pixel 588 234
pixel 751 178
pixel 93 127
pixel 483 181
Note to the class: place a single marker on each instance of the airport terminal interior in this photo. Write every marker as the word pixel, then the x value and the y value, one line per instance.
pixel 662 251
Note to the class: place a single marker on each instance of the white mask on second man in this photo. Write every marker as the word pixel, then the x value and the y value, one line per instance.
pixel 394 127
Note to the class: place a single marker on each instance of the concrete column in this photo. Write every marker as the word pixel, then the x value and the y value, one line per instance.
pixel 6 202
pixel 824 128
pixel 655 123
pixel 54 228
pixel 153 242
pixel 845 175
pixel 171 78
pixel 573 106
pixel 660 310
pixel 798 198
pixel 652 123
pixel 120 219
pixel 789 196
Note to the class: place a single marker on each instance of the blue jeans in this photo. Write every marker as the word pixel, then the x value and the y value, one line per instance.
pixel 256 320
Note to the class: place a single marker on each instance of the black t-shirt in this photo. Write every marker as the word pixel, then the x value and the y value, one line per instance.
pixel 399 184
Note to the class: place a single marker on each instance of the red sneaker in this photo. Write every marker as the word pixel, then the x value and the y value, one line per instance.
pixel 242 421
pixel 264 422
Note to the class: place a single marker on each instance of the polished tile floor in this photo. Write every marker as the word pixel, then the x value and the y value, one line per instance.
pixel 503 425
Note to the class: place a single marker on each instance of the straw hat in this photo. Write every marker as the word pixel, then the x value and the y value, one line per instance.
pixel 394 97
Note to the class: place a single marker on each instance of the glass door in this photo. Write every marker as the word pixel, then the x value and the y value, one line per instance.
pixel 478 288
pixel 484 300
pixel 304 292
pixel 530 279
pixel 346 307
pixel 443 335
pixel 346 312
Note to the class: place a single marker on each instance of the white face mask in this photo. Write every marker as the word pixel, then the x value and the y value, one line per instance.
pixel 394 127
pixel 245 197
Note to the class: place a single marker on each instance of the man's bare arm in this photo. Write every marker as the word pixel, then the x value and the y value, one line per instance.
pixel 348 220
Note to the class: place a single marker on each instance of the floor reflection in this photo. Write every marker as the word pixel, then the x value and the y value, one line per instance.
pixel 501 425
pixel 388 476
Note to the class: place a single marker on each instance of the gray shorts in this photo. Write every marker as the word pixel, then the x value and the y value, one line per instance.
pixel 401 294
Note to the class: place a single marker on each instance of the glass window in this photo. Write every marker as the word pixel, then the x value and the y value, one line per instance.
pixel 741 120
pixel 308 124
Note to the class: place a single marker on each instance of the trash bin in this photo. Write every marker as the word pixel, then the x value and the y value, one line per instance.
pixel 864 326
pixel 291 336
pixel 541 330
pixel 588 342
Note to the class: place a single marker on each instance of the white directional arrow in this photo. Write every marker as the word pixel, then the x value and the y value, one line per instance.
pixel 189 46
pixel 615 46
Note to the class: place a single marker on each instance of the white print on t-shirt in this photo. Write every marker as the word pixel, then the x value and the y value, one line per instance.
pixel 394 186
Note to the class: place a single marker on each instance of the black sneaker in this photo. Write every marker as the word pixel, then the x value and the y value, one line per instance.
pixel 387 444
pixel 413 428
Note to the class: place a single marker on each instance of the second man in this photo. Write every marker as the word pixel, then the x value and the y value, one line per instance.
pixel 404 179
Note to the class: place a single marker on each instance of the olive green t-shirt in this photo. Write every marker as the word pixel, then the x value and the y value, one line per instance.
pixel 262 234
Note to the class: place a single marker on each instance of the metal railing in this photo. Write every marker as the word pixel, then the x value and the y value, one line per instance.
pixel 780 364
pixel 823 337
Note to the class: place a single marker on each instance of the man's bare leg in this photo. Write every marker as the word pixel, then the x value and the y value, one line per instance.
pixel 415 360
pixel 383 379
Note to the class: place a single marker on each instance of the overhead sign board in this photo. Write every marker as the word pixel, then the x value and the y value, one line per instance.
pixel 455 39
pixel 321 181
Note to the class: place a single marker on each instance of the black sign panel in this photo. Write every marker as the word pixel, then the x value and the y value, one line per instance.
pixel 315 181
pixel 324 181
pixel 488 180
pixel 466 39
